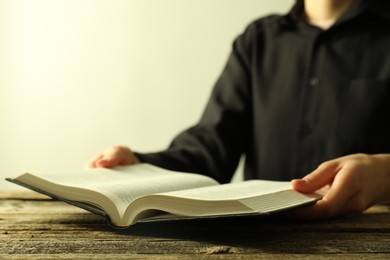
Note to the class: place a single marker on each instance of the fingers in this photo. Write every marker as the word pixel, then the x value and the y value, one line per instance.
pixel 325 208
pixel 107 163
pixel 340 199
pixel 114 156
pixel 111 158
pixel 92 163
pixel 317 179
pixel 344 197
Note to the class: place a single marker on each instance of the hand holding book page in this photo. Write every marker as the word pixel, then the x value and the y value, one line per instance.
pixel 130 194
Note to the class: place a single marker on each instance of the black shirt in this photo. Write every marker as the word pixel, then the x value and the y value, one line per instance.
pixel 292 96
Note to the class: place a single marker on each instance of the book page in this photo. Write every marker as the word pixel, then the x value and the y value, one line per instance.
pixel 279 200
pixel 232 191
pixel 123 185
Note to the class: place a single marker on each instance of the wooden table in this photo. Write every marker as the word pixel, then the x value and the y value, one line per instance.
pixel 33 226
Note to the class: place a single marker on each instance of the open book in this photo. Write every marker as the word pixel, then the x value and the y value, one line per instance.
pixel 143 192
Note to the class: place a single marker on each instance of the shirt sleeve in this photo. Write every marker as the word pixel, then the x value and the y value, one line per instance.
pixel 215 144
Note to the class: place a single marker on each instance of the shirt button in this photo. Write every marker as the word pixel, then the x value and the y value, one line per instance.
pixel 314 82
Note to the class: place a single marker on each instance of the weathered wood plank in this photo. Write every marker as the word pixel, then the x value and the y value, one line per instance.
pixel 200 256
pixel 187 237
pixel 86 221
pixel 44 228
pixel 332 243
pixel 22 194
pixel 37 215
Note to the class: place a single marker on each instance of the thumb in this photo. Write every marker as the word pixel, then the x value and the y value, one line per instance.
pixel 317 179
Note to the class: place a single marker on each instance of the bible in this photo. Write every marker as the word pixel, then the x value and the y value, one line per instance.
pixel 140 193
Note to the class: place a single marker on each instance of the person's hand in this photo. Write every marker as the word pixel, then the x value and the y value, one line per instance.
pixel 355 182
pixel 114 156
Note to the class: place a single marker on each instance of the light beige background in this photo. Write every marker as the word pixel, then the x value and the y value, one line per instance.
pixel 77 76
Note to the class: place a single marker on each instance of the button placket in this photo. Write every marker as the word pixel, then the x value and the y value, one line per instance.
pixel 306 128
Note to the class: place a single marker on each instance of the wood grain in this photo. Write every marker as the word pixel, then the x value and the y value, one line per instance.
pixel 37 227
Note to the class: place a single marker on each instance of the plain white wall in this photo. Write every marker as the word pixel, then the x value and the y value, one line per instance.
pixel 77 76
